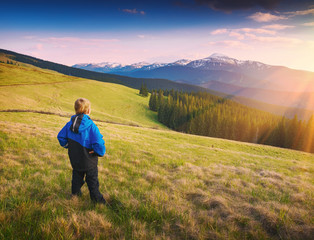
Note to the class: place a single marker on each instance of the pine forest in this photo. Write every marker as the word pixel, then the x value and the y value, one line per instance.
pixel 204 114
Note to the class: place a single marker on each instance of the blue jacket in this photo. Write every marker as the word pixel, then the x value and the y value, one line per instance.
pixel 81 136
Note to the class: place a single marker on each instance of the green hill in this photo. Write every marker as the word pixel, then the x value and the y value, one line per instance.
pixel 35 89
pixel 160 184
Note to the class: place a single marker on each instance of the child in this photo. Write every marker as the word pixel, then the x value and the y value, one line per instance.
pixel 85 143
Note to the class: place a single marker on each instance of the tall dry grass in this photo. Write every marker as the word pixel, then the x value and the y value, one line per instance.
pixel 160 185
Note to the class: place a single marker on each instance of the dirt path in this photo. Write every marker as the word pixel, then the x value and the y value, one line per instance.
pixel 68 115
pixel 44 83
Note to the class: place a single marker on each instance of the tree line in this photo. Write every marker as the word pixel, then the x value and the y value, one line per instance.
pixel 205 114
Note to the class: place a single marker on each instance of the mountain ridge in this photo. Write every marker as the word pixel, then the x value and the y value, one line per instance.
pixel 248 73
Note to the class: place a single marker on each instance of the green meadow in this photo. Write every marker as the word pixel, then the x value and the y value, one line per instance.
pixel 31 88
pixel 159 184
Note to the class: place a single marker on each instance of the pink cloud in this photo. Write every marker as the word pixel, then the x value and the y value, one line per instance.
pixel 301 13
pixel 230 44
pixel 256 30
pixel 278 26
pixel 309 24
pixel 265 17
pixel 244 30
pixel 236 35
pixel 282 40
pixel 65 41
pixel 219 31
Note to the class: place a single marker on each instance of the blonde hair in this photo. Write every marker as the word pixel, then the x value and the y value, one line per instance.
pixel 82 105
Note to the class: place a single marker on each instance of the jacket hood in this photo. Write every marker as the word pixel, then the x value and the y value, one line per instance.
pixel 80 123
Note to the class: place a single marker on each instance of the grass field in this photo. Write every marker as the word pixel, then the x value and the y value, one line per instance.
pixel 160 184
pixel 30 88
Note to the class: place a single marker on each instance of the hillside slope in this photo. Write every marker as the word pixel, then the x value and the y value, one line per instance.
pixel 160 184
pixel 31 88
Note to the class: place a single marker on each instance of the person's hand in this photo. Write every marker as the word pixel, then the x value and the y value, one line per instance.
pixel 91 152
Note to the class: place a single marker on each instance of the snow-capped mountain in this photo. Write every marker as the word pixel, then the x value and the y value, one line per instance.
pixel 218 61
pixel 181 62
pixel 217 67
pixel 99 67
pixel 213 62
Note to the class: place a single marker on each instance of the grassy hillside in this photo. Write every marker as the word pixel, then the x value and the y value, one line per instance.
pixel 160 184
pixel 31 88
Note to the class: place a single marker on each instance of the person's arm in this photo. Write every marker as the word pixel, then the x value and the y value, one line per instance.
pixel 98 143
pixel 63 137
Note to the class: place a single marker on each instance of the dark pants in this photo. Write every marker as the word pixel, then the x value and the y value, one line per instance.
pixel 92 183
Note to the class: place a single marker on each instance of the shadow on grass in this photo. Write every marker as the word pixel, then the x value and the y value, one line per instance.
pixel 115 205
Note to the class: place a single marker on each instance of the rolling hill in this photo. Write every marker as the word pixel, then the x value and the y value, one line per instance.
pixel 30 88
pixel 160 184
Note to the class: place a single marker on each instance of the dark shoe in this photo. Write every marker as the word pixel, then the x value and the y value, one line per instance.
pixel 103 201
pixel 79 194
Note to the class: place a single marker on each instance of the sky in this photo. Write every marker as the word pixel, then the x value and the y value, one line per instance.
pixel 276 32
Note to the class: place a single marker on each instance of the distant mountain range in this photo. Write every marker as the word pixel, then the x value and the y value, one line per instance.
pixel 217 67
pixel 271 84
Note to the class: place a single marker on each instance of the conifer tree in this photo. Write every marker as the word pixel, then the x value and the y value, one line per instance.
pixel 144 90
pixel 141 89
pixel 308 144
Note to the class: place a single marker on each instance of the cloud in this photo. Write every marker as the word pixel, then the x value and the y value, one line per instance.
pixel 241 37
pixel 219 31
pixel 277 26
pixel 64 42
pixel 77 40
pixel 133 11
pixel 230 44
pixel 236 35
pixel 146 37
pixel 229 5
pixel 308 24
pixel 281 40
pixel 236 32
pixel 301 13
pixel 266 17
pixel 255 30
